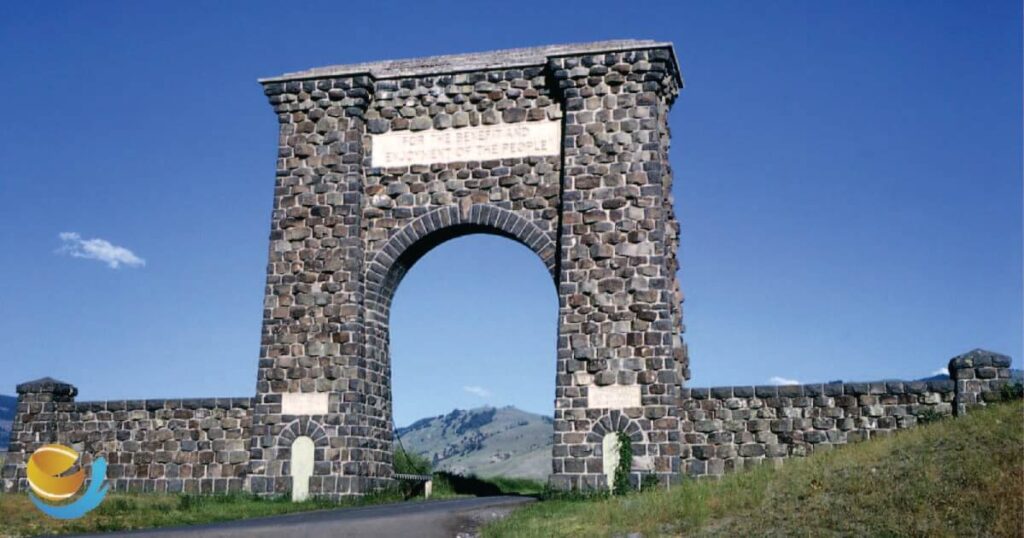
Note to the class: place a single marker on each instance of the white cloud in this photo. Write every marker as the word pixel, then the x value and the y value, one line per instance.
pixel 102 250
pixel 477 391
pixel 941 371
pixel 776 380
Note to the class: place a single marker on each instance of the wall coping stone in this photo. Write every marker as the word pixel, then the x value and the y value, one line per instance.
pixel 859 388
pixel 476 61
pixel 978 358
pixel 46 384
pixel 158 404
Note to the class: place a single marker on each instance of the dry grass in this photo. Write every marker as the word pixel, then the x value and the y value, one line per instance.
pixel 962 477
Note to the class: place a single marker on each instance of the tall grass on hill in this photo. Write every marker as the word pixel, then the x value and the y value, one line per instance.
pixel 955 477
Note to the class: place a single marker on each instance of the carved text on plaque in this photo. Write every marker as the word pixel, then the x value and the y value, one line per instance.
pixel 480 143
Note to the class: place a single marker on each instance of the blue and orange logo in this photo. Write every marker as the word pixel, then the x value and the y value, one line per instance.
pixel 46 476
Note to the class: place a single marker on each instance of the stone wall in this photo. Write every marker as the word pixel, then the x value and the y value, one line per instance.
pixel 202 445
pixel 730 428
pixel 196 445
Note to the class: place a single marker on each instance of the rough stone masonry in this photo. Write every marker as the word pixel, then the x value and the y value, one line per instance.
pixel 561 148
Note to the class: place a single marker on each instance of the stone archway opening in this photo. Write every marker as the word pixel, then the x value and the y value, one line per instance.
pixel 479 338
pixel 527 255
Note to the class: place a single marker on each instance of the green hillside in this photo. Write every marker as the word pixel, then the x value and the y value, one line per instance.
pixel 485 441
pixel 956 477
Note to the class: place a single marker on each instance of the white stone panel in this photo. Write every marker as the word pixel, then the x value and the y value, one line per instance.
pixel 303 455
pixel 480 143
pixel 304 403
pixel 610 457
pixel 613 396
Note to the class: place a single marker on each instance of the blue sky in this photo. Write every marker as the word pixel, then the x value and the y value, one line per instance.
pixel 847 176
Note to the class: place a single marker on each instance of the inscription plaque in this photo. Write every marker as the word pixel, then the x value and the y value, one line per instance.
pixel 480 143
pixel 304 403
pixel 613 396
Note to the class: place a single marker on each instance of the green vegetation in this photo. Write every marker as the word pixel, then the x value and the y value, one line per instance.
pixel 450 485
pixel 962 477
pixel 125 511
pixel 1011 391
pixel 454 485
pixel 409 463
pixel 621 479
pixel 517 486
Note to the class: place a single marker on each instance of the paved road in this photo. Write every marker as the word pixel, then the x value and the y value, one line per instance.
pixel 428 519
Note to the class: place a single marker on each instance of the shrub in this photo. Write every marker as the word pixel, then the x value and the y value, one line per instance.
pixel 929 415
pixel 621 479
pixel 649 481
pixel 408 463
pixel 186 502
pixel 1011 391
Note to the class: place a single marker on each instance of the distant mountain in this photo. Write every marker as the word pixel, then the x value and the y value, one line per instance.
pixel 8 405
pixel 485 441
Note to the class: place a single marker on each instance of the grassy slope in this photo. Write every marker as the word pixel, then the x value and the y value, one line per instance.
pixel 958 477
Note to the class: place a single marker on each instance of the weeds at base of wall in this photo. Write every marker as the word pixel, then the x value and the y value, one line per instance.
pixel 1011 391
pixel 649 481
pixel 929 416
pixel 621 479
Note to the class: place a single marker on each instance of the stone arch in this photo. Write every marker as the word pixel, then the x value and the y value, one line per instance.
pixel 406 246
pixel 613 422
pixel 600 434
pixel 299 427
pixel 303 427
pixel 387 268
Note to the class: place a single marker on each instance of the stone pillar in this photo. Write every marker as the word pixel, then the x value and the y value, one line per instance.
pixel 979 376
pixel 312 367
pixel 621 361
pixel 35 424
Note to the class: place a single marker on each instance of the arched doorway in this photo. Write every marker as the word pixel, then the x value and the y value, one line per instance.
pixel 472 354
pixel 406 248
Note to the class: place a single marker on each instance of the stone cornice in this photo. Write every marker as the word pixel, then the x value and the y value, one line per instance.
pixel 477 61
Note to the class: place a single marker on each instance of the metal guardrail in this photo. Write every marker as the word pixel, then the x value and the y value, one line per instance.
pixel 426 479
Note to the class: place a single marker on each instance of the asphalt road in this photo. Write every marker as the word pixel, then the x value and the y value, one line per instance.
pixel 428 519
